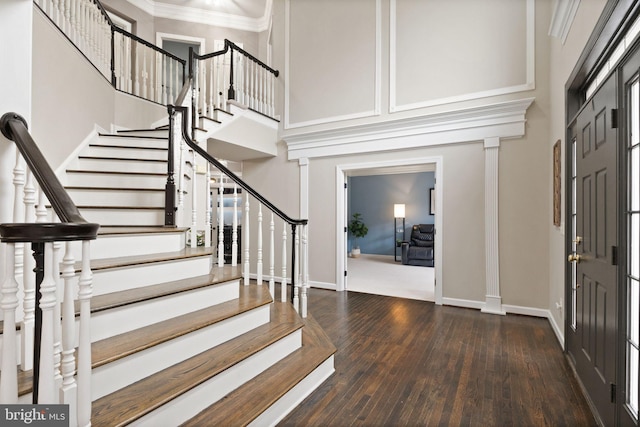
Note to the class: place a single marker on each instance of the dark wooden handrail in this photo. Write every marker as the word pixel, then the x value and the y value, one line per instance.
pixel 209 158
pixel 72 225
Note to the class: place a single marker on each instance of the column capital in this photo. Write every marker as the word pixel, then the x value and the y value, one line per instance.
pixel 492 142
pixel 303 161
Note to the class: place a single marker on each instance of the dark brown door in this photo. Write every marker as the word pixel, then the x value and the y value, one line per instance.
pixel 591 340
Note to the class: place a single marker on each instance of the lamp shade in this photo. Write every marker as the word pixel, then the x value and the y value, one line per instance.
pixel 398 211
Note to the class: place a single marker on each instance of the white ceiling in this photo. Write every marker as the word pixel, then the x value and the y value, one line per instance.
pixel 248 15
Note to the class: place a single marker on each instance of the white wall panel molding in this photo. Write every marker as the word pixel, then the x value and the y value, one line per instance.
pixel 564 12
pixel 204 16
pixel 528 84
pixel 375 109
pixel 503 120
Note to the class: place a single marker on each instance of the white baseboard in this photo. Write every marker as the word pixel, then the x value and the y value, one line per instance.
pixel 323 285
pixel 556 329
pixel 464 303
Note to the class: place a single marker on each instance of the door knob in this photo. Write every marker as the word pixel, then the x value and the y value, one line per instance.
pixel 577 240
pixel 575 258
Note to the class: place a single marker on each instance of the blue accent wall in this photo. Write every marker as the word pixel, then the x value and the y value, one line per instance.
pixel 374 196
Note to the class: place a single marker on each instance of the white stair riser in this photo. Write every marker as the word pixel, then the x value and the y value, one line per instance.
pixel 116 197
pixel 110 165
pixel 124 153
pixel 128 370
pixel 123 141
pixel 119 320
pixel 76 179
pixel 191 403
pixel 295 396
pixel 124 278
pixel 111 246
pixel 112 216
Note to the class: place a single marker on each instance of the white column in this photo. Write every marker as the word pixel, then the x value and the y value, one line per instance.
pixel 493 301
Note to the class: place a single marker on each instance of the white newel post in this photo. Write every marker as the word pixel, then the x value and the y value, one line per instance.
pixel 259 260
pixel 272 270
pixel 234 231
pixel 283 282
pixel 245 232
pixel 493 301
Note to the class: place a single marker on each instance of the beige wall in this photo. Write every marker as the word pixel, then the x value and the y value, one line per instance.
pixel 525 167
pixel 146 27
pixel 70 99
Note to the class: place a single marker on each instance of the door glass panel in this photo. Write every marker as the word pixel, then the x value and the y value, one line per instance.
pixel 574 207
pixel 633 249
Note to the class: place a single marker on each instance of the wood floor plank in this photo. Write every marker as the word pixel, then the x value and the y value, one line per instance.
pixel 404 362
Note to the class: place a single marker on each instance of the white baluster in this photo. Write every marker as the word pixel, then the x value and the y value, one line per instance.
pixel 283 282
pixel 259 266
pixel 170 80
pixel 55 12
pixel 69 389
pixel 117 59
pixel 304 264
pixel 183 158
pixel 245 231
pixel 145 74
pixel 221 221
pixel 57 326
pixel 84 346
pixel 209 209
pixel 165 100
pixel 234 231
pixel 66 14
pixel 194 211
pixel 296 270
pixel 158 78
pixel 41 210
pixel 46 388
pixel 202 105
pixel 212 89
pixel 273 96
pixel 178 85
pixel 128 67
pixel 136 75
pixel 272 283
pixel 9 303
pixel 73 21
pixel 28 281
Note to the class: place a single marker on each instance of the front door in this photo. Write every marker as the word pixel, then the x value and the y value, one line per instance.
pixel 591 337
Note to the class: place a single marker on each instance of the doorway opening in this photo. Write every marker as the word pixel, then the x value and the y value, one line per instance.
pixel 179 45
pixel 353 274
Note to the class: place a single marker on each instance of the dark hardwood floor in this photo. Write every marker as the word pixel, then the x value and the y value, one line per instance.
pixel 403 362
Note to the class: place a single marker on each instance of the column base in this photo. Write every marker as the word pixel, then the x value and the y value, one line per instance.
pixel 493 305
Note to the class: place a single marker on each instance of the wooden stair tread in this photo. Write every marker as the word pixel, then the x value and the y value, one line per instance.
pixel 146 293
pixel 132 208
pixel 115 172
pixel 125 344
pixel 188 252
pixel 122 159
pixel 120 346
pixel 129 147
pixel 210 119
pixel 113 135
pixel 248 401
pixel 121 229
pixel 93 188
pixel 126 405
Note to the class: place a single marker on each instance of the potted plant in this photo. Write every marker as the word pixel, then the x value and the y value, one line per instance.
pixel 358 229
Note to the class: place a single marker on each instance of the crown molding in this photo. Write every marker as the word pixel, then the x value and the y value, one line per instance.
pixel 200 16
pixel 564 12
pixel 504 120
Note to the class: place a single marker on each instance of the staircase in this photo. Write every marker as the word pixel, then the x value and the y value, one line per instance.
pixel 175 339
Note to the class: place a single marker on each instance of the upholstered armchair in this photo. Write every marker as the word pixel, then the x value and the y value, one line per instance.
pixel 419 250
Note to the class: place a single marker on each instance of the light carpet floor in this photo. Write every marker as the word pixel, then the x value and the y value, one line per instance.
pixel 381 275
